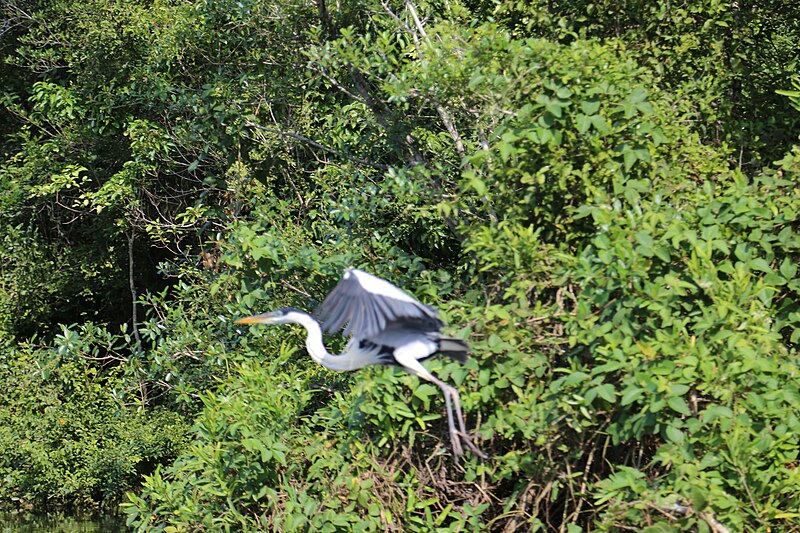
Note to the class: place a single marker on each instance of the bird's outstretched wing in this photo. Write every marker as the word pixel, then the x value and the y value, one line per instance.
pixel 366 304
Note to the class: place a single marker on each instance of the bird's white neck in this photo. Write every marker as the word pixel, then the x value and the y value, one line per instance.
pixel 351 360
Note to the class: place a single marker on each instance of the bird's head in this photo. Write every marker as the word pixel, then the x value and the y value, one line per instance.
pixel 284 315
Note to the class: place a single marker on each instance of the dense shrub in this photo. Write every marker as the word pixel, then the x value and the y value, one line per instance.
pixel 583 189
pixel 64 441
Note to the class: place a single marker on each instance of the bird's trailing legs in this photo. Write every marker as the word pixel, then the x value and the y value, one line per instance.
pixel 457 436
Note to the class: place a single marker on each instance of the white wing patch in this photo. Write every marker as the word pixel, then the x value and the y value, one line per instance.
pixel 379 287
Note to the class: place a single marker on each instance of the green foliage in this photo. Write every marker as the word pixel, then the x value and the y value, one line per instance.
pixel 266 470
pixel 23 299
pixel 723 60
pixel 65 442
pixel 579 187
pixel 680 329
pixel 567 137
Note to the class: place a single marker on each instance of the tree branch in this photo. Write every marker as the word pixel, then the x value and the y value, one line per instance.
pixel 315 144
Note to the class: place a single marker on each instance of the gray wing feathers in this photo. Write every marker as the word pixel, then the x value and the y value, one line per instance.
pixel 364 305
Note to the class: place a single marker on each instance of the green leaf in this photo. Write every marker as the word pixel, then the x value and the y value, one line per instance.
pixel 638 95
pixel 714 412
pixel 629 158
pixel 697 495
pixel 478 185
pixel 675 435
pixel 788 268
pixel 631 395
pixel 600 124
pixel 759 264
pixel 606 391
pixel 679 405
pixel 662 252
pixel 583 122
pixel 590 107
pixel 644 238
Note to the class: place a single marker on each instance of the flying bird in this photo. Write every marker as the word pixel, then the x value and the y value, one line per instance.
pixel 386 326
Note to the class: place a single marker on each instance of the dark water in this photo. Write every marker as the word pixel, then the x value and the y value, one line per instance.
pixel 57 523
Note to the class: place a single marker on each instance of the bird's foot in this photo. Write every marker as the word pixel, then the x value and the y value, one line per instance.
pixel 463 437
pixel 455 442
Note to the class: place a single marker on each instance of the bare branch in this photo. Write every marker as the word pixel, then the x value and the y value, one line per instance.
pixel 134 296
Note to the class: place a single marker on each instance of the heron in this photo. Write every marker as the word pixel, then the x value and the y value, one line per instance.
pixel 386 326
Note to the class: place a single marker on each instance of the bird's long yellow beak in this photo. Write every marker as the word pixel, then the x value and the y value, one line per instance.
pixel 266 318
pixel 248 320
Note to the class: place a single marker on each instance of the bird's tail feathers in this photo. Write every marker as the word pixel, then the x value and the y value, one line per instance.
pixel 455 348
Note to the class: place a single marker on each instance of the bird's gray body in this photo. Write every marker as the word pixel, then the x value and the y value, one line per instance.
pixel 384 321
pixel 430 344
